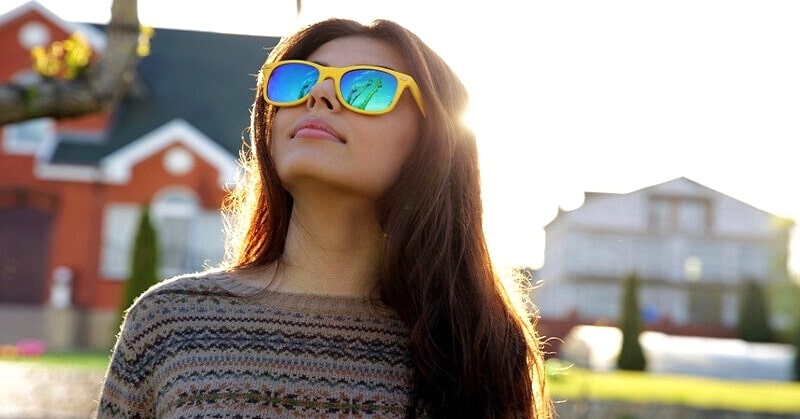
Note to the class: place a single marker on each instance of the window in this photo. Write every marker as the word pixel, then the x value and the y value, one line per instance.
pixel 648 257
pixel 119 230
pixel 705 306
pixel 173 210
pixel 27 137
pixel 688 215
pixel 753 261
pixel 661 214
pixel 693 268
pixel 692 216
pixel 575 260
pixel 710 256
pixel 189 237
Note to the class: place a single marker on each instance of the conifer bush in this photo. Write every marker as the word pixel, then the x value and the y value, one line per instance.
pixel 144 261
pixel 796 342
pixel 631 356
pixel 753 325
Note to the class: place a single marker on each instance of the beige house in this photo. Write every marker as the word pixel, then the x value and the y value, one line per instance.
pixel 690 245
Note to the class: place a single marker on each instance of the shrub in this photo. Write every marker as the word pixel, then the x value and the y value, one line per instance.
pixel 796 344
pixel 753 323
pixel 144 261
pixel 631 356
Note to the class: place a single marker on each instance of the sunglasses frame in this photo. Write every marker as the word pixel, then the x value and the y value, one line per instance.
pixel 404 81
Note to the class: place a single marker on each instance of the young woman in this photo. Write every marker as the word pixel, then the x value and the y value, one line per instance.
pixel 358 281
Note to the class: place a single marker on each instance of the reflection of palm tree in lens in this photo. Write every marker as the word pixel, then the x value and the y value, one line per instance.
pixel 356 91
pixel 365 100
pixel 304 89
pixel 365 94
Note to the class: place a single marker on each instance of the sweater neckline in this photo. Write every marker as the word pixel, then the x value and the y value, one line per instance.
pixel 309 302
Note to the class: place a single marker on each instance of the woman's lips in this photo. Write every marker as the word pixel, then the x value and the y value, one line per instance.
pixel 316 129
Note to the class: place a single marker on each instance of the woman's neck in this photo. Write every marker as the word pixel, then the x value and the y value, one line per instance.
pixel 330 249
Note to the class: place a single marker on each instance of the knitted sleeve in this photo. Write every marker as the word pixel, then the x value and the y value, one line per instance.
pixel 128 390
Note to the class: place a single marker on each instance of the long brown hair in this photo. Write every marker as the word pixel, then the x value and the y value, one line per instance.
pixel 475 353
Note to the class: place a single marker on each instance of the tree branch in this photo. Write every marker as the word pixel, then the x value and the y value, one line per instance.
pixel 104 84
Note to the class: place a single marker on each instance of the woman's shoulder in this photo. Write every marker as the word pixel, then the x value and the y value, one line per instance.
pixel 198 283
pixel 176 292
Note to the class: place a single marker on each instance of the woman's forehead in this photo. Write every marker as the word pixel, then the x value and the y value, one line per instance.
pixel 358 50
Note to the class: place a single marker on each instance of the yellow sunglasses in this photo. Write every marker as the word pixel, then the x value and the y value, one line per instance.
pixel 364 89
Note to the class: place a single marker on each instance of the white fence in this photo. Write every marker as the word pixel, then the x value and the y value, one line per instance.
pixel 597 347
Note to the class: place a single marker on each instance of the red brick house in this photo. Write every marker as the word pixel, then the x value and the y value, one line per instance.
pixel 71 190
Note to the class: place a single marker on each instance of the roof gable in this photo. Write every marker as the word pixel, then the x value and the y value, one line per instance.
pixel 96 38
pixel 205 79
pixel 118 166
pixel 680 187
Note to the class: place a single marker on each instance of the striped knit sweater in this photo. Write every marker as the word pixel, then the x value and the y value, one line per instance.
pixel 205 346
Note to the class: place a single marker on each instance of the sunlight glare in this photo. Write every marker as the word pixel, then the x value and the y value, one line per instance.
pixel 581 96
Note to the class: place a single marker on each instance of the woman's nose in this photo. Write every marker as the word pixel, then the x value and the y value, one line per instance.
pixel 323 94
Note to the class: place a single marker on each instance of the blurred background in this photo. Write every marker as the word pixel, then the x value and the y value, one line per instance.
pixel 636 157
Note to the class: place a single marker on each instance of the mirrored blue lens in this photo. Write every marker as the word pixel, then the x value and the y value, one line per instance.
pixel 291 82
pixel 369 90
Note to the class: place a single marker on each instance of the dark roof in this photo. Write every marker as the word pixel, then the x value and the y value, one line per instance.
pixel 205 78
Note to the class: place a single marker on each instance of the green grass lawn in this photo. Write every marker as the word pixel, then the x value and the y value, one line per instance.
pixel 570 383
pixel 90 360
pixel 753 396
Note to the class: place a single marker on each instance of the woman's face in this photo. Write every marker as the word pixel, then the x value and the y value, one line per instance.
pixel 321 143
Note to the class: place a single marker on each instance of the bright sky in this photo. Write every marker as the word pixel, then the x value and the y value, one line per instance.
pixel 582 95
